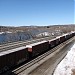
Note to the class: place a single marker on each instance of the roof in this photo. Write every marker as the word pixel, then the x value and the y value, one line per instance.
pixel 59 37
pixel 12 50
pixel 30 46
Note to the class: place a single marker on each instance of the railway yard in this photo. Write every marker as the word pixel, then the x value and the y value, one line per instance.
pixel 37 37
pixel 39 57
pixel 13 45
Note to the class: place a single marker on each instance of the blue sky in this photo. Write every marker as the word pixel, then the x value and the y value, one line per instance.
pixel 36 12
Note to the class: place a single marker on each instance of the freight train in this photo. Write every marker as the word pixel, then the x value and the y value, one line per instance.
pixel 11 58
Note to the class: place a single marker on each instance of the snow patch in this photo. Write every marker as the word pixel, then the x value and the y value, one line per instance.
pixel 67 65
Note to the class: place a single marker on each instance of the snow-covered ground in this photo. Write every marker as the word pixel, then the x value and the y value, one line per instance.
pixel 67 65
pixel 43 34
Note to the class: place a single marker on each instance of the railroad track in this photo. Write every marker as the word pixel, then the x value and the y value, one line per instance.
pixel 20 44
pixel 2 45
pixel 11 43
pixel 27 65
pixel 36 60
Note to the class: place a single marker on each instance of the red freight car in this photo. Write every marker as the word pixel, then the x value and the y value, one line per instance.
pixel 13 57
pixel 37 48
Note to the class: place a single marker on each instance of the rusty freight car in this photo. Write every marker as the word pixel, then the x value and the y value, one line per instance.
pixel 12 57
pixel 38 48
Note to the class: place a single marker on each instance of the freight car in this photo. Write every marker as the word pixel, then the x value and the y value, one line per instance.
pixel 54 42
pixel 37 48
pixel 62 38
pixel 67 36
pixel 12 57
pixel 73 33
